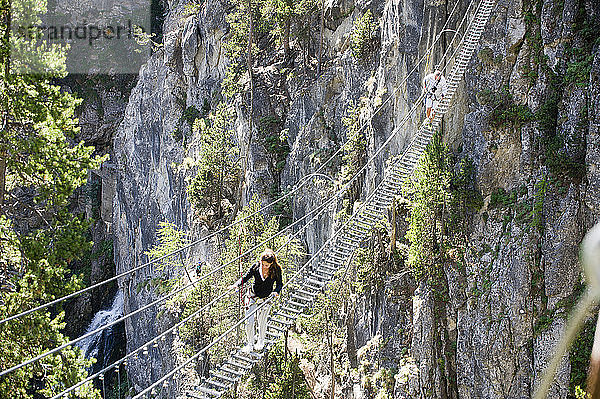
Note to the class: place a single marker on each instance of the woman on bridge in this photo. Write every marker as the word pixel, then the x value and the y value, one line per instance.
pixel 266 273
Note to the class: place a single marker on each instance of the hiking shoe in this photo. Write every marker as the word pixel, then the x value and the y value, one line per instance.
pixel 259 346
pixel 247 348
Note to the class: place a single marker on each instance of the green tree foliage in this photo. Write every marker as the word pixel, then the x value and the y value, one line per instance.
pixel 37 263
pixel 354 154
pixel 38 118
pixel 579 56
pixel 505 111
pixel 381 383
pixel 285 379
pixel 275 141
pixel 280 19
pixel 363 39
pixel 281 14
pixel 236 47
pixel 441 198
pixel 168 239
pixel 242 238
pixel 217 164
pixel 372 269
pixel 283 20
pixel 581 394
pixel 10 256
pixel 37 152
pixel 317 320
pixel 171 275
pixel 430 194
pixel 579 356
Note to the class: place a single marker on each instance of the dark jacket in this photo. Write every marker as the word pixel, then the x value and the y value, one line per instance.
pixel 262 288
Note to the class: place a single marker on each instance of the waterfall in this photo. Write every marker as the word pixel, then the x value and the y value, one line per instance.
pixel 102 344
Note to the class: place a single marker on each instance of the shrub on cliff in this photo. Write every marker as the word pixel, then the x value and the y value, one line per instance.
pixel 362 39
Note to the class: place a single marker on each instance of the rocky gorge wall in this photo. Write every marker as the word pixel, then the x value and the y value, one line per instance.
pixel 100 114
pixel 506 306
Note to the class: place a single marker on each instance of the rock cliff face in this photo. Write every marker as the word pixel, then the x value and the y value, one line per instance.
pixel 506 308
pixel 100 113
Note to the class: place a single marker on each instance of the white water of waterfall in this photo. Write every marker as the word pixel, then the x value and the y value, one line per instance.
pixel 100 344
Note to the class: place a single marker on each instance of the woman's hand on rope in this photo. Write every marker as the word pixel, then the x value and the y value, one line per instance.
pixel 233 286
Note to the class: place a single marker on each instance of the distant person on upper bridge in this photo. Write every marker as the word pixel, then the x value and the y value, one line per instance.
pixel 266 273
pixel 435 88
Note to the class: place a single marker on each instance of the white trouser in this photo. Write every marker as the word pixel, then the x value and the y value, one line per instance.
pixel 431 102
pixel 261 316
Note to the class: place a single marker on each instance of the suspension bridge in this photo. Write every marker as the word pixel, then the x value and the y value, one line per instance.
pixel 311 278
pixel 338 250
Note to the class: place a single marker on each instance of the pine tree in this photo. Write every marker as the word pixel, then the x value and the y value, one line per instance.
pixel 281 14
pixel 217 164
pixel 353 157
pixel 430 194
pixel 37 154
pixel 441 197
pixel 286 377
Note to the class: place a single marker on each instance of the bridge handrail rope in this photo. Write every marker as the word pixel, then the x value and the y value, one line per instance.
pixel 417 102
pixel 167 296
pixel 331 200
pixel 300 183
pixel 131 271
pixel 382 147
pixel 163 298
pixel 141 347
pixel 405 119
pixel 467 45
pixel 415 139
pixel 455 74
pixel 437 109
pixel 444 60
pixel 269 300
pixel 191 284
pixel 163 334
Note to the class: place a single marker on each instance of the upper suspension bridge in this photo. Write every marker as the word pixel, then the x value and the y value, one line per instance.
pixel 311 278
